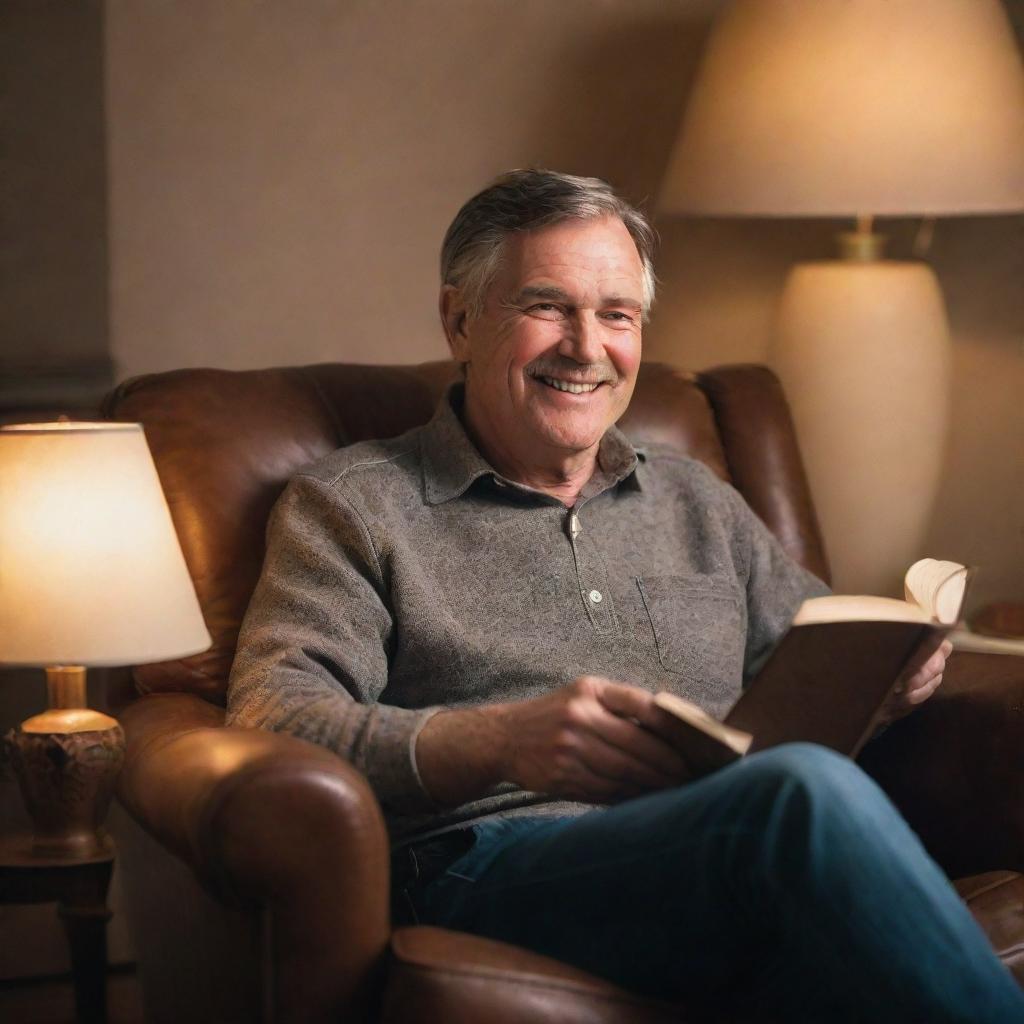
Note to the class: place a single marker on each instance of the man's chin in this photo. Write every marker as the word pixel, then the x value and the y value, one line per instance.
pixel 571 439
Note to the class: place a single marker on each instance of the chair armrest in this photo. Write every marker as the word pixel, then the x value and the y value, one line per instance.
pixel 269 819
pixel 955 766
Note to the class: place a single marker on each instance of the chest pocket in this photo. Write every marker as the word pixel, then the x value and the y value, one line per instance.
pixel 699 624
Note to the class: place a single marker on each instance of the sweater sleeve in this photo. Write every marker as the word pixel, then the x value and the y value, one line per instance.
pixel 312 657
pixel 776 586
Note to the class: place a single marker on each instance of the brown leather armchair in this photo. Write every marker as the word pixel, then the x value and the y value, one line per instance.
pixel 274 905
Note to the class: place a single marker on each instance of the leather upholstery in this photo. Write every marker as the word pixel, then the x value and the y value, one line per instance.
pixel 288 840
pixel 266 818
pixel 764 464
pixel 996 899
pixel 439 975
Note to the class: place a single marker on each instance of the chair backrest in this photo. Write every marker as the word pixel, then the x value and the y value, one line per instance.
pixel 226 442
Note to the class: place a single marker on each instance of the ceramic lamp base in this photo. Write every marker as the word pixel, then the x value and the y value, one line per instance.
pixel 863 352
pixel 66 762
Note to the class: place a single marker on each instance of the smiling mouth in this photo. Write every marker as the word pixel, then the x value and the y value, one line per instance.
pixel 571 387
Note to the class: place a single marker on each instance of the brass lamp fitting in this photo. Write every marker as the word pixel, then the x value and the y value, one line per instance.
pixel 861 245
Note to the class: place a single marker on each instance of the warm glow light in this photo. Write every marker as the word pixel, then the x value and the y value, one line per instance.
pixel 91 572
pixel 844 107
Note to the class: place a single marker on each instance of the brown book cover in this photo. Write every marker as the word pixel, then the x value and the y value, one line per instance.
pixel 830 676
pixel 826 683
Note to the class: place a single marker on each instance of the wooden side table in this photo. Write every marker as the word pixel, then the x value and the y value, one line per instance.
pixel 79 887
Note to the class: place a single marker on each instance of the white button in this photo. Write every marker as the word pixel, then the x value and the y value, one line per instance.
pixel 595 596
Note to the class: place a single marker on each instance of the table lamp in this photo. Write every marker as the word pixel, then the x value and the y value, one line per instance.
pixel 859 108
pixel 91 575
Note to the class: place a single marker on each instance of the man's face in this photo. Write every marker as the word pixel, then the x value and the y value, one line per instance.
pixel 553 357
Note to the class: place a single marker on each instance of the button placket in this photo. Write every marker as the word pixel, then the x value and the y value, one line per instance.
pixel 590 575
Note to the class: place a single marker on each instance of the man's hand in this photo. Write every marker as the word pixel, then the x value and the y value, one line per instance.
pixel 917 685
pixel 593 740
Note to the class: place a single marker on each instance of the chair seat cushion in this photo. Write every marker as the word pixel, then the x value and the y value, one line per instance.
pixel 996 899
pixel 439 975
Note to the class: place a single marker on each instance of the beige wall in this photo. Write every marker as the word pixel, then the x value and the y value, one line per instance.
pixel 53 243
pixel 281 175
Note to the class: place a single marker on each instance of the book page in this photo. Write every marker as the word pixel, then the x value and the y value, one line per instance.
pixel 857 608
pixel 937 587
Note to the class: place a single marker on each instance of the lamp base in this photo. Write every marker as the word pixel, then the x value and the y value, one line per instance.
pixel 66 761
pixel 863 352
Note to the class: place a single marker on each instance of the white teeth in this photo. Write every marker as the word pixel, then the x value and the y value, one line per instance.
pixel 564 385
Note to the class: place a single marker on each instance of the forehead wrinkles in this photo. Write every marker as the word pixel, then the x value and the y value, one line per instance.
pixel 585 266
pixel 582 285
pixel 601 254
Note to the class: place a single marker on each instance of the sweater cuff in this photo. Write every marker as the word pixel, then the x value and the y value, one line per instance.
pixel 389 758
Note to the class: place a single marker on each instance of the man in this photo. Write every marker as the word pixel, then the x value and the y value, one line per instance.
pixel 478 613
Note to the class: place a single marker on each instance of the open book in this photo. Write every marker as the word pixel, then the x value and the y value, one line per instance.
pixel 828 679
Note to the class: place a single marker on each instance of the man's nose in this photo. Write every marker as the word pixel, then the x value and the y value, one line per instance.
pixel 582 339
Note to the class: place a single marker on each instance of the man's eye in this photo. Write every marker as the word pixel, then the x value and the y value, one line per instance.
pixel 618 317
pixel 546 311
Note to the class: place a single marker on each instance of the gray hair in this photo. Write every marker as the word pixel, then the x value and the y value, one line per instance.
pixel 527 200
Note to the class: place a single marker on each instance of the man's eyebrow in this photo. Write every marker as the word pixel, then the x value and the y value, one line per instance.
pixel 622 300
pixel 549 291
pixel 556 294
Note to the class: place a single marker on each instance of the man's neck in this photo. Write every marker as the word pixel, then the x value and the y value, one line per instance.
pixel 563 481
pixel 561 474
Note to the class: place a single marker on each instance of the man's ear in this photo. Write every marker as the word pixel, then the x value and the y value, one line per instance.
pixel 454 314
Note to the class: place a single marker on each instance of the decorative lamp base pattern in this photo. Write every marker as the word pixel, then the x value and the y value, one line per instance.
pixel 67 780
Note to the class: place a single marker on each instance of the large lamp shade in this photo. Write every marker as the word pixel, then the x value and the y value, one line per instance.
pixel 91 572
pixel 842 107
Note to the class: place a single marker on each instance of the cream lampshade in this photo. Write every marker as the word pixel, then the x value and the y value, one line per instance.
pixel 91 574
pixel 859 108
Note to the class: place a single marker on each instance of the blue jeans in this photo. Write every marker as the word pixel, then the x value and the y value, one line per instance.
pixel 785 884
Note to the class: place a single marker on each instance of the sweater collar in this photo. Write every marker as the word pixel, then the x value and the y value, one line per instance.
pixel 451 462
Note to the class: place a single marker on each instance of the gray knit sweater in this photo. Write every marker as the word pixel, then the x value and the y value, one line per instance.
pixel 406 575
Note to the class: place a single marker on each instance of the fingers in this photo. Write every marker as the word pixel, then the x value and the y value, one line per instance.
pixel 617 747
pixel 931 669
pixel 632 702
pixel 620 767
pixel 633 738
pixel 914 693
pixel 619 698
pixel 923 692
pixel 937 662
pixel 634 725
pixel 575 779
